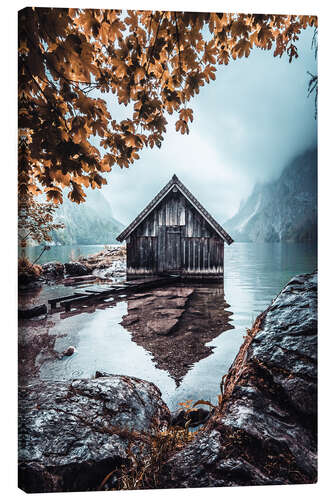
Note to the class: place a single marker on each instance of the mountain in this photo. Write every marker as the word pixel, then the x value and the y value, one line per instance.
pixel 281 210
pixel 89 223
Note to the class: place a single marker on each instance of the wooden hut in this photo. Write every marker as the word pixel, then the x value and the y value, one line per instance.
pixel 174 234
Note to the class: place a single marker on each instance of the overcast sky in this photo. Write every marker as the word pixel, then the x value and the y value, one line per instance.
pixel 247 125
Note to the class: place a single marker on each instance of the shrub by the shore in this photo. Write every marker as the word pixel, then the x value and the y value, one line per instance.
pixel 27 271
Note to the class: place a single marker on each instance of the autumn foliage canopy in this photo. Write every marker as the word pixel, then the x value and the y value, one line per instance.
pixel 152 62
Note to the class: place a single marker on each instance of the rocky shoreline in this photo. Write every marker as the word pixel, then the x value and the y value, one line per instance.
pixel 108 263
pixel 106 266
pixel 264 431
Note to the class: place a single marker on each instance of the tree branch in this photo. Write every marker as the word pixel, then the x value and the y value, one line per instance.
pixel 46 98
pixel 178 43
pixel 152 50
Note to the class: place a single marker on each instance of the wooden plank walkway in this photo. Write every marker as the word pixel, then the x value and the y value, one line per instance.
pixel 94 293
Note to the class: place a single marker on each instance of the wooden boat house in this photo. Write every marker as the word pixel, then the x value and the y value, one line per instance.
pixel 174 234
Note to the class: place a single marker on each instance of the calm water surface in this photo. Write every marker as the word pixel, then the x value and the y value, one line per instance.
pixel 62 253
pixel 254 275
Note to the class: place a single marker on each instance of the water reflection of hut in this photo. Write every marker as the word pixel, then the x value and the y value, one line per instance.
pixel 175 234
pixel 175 323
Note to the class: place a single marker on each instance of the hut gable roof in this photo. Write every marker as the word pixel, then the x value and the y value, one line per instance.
pixel 174 181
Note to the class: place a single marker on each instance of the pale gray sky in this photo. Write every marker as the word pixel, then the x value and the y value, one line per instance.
pixel 247 125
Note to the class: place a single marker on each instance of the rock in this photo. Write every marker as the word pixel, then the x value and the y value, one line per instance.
pixel 171 293
pixel 266 430
pixel 99 374
pixel 53 269
pixel 167 313
pixel 115 270
pixel 71 434
pixel 162 326
pixel 108 274
pixel 135 296
pixel 102 273
pixel 169 298
pixel 35 345
pixel 196 417
pixel 157 303
pixel 76 269
pixel 166 303
pixel 32 311
pixel 140 303
pixel 130 320
pixel 69 351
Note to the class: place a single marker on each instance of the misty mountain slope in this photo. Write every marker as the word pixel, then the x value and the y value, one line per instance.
pixel 89 223
pixel 282 210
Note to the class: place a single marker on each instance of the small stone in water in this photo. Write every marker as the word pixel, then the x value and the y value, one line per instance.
pixel 69 351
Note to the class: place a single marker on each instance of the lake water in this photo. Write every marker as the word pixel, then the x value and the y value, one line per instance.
pixel 254 275
pixel 61 253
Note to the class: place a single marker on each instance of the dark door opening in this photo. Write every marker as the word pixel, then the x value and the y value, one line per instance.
pixel 169 250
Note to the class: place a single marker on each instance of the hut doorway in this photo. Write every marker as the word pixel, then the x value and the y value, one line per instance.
pixel 169 254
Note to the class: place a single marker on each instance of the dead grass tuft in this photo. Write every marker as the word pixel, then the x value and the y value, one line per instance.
pixel 155 448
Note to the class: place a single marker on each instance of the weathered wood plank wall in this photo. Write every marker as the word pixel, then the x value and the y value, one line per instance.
pixel 175 237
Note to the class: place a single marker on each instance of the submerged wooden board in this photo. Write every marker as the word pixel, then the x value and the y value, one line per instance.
pixel 100 290
pixel 80 296
pixel 53 302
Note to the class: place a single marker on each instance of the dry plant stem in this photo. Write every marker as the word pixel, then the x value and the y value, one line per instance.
pixel 144 471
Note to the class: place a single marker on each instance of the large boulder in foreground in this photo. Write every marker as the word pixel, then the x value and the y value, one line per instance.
pixel 72 434
pixel 266 430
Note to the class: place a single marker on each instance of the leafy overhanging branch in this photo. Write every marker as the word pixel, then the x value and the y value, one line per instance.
pixel 158 61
